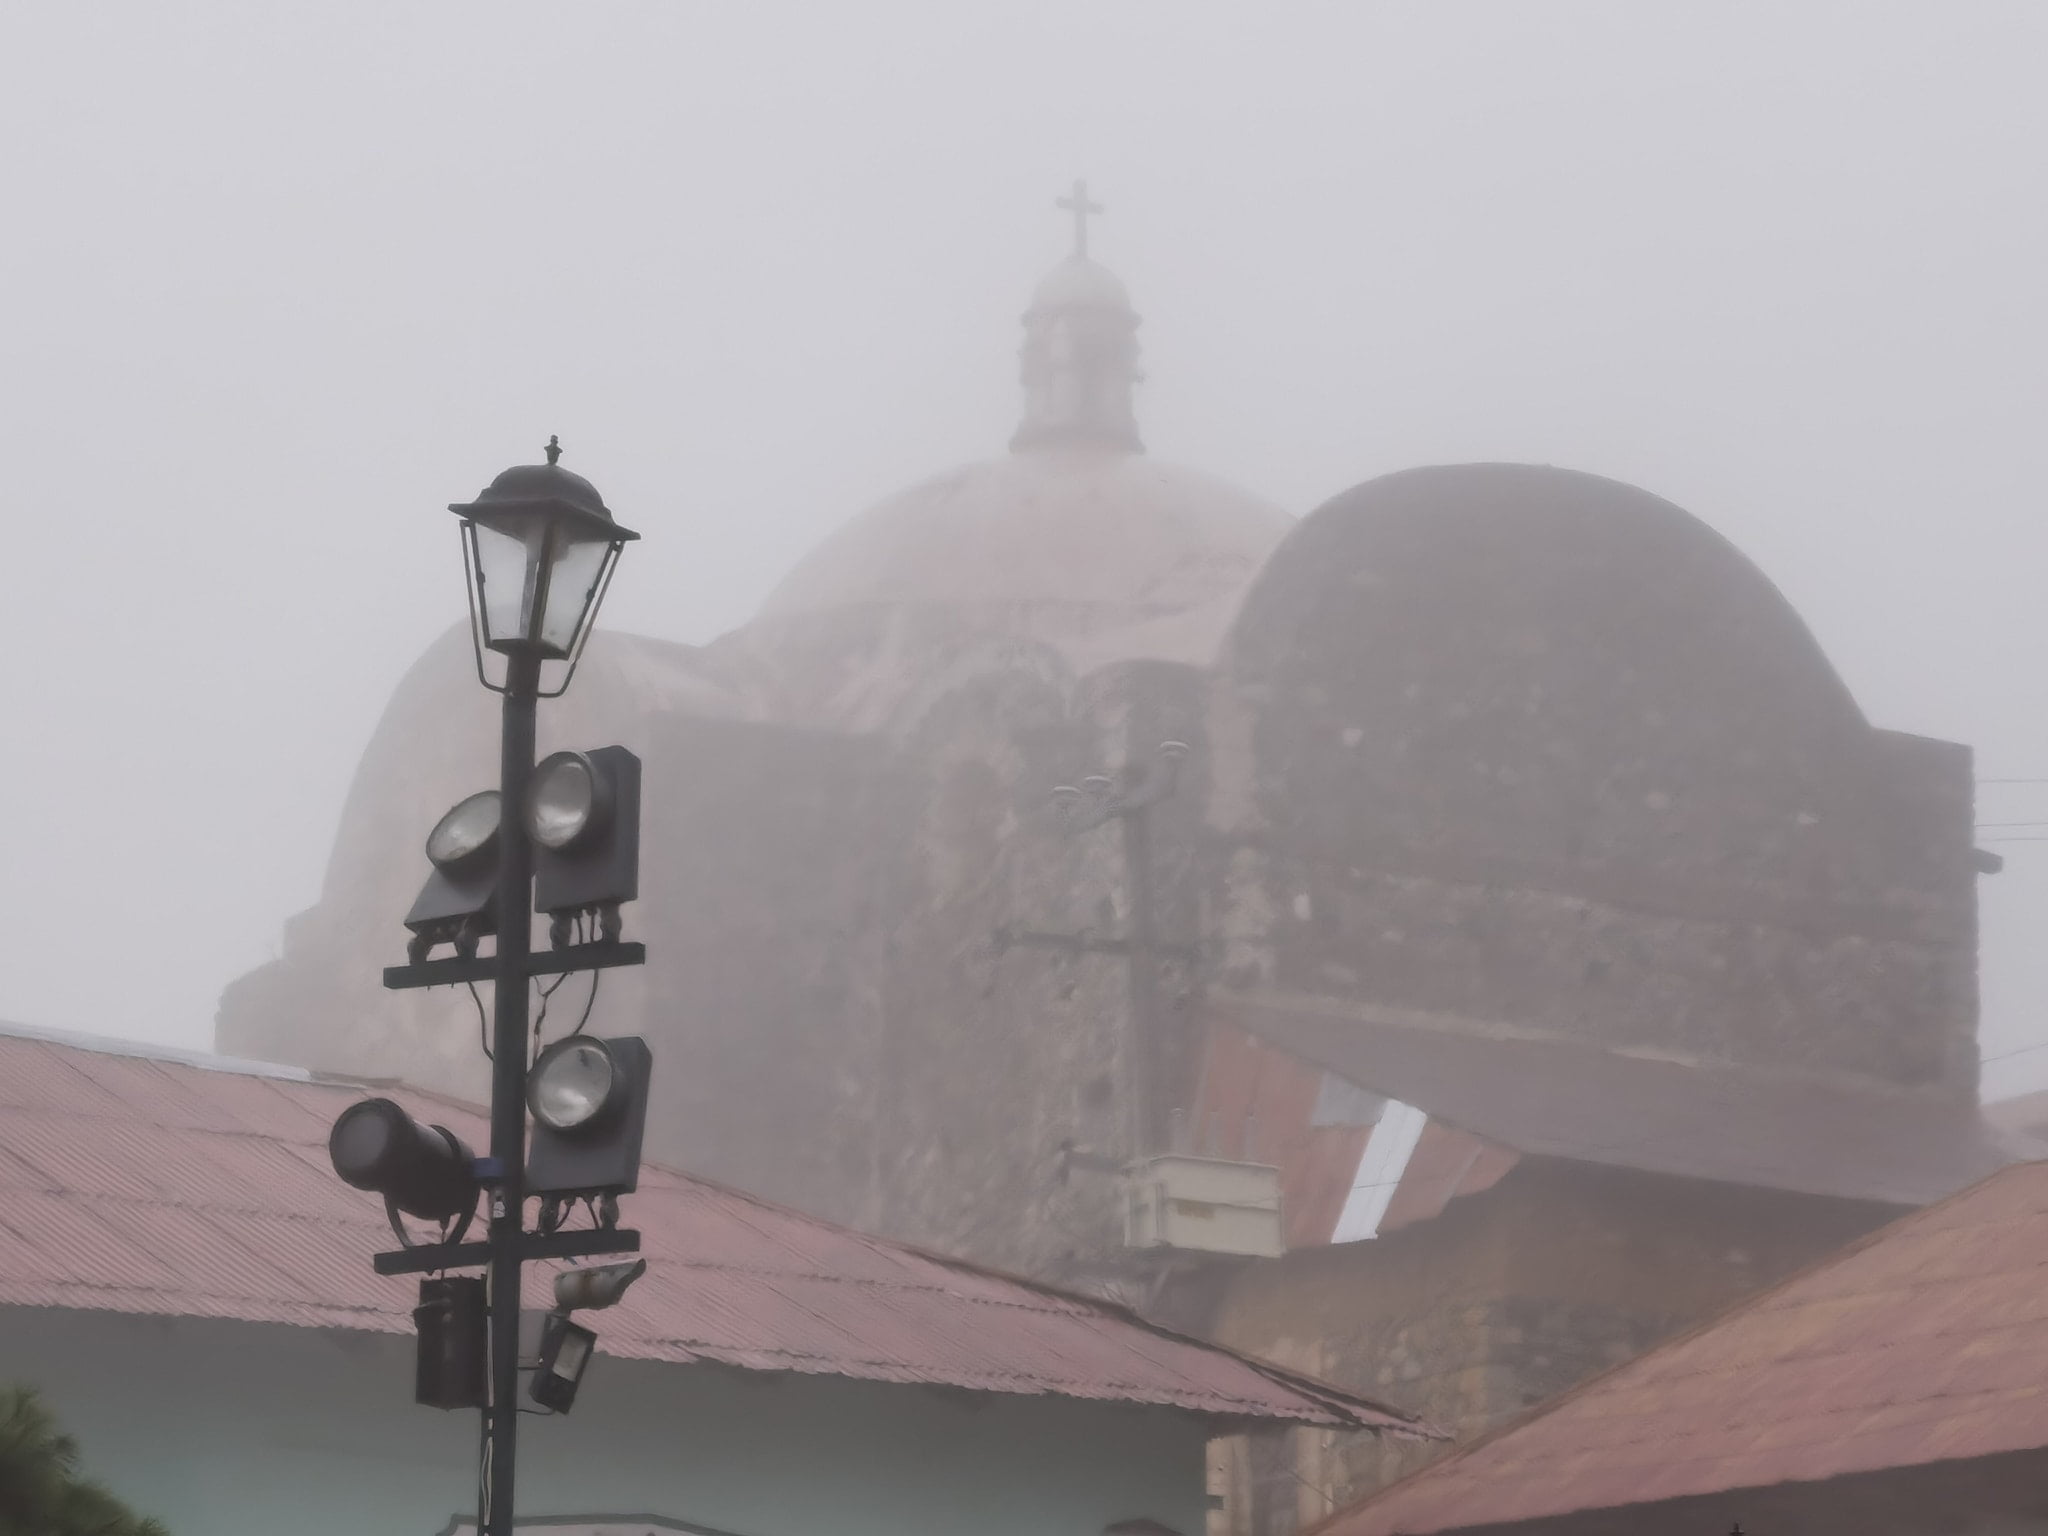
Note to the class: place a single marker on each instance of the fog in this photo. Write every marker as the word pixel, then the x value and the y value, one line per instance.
pixel 282 281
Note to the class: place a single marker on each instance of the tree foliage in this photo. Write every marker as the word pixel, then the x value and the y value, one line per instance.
pixel 41 1490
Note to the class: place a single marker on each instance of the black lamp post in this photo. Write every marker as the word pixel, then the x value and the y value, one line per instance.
pixel 540 545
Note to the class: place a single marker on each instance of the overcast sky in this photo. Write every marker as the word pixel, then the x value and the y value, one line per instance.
pixel 283 280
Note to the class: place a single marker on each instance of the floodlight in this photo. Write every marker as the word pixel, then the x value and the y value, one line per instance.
pixel 458 904
pixel 565 1350
pixel 570 802
pixel 574 1085
pixel 422 1170
pixel 467 835
pixel 583 816
pixel 589 1103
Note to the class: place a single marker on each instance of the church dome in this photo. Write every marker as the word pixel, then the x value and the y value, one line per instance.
pixel 1071 530
pixel 1076 535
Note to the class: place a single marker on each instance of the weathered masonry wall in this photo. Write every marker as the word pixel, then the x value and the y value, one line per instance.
pixel 1507 1298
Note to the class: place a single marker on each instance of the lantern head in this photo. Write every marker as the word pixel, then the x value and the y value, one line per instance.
pixel 540 545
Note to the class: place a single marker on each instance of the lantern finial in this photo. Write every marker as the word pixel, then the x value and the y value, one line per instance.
pixel 554 448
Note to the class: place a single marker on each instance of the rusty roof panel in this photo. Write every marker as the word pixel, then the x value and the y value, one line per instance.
pixel 1569 1100
pixel 177 1188
pixel 1923 1343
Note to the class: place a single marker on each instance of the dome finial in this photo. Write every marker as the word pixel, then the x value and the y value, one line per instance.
pixel 1077 203
pixel 554 449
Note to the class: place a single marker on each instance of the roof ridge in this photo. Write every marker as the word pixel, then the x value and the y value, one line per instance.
pixel 148 1050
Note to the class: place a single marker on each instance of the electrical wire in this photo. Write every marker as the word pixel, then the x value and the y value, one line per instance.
pixel 588 1002
pixel 483 1027
pixel 547 992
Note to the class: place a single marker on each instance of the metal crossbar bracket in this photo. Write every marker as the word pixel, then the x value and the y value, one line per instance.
pixel 548 962
pixel 581 1244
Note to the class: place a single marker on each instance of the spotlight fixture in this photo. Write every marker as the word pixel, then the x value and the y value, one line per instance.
pixel 570 802
pixel 456 905
pixel 422 1170
pixel 589 1104
pixel 583 815
pixel 467 836
pixel 565 1350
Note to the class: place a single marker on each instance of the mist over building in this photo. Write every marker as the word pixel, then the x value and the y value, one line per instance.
pixel 1532 897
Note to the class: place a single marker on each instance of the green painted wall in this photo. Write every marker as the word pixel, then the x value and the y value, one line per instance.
pixel 234 1429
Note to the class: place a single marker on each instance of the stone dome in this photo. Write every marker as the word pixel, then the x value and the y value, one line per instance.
pixel 1074 530
pixel 1075 539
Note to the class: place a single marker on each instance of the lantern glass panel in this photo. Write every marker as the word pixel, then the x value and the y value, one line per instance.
pixel 580 557
pixel 511 564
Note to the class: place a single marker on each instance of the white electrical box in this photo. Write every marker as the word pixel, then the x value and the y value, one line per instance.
pixel 1204 1204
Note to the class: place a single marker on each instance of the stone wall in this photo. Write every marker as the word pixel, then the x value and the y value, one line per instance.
pixel 1506 1299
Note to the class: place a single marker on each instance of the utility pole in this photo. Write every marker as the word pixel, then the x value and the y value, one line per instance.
pixel 1129 798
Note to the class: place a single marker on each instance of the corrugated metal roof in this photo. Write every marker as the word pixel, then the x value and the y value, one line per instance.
pixel 1697 1120
pixel 1925 1342
pixel 1265 1104
pixel 166 1186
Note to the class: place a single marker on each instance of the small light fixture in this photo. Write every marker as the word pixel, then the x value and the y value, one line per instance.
pixel 540 546
pixel 565 1350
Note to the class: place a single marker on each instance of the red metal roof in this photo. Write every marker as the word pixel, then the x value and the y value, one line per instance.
pixel 1925 1342
pixel 1554 1098
pixel 1258 1102
pixel 134 1183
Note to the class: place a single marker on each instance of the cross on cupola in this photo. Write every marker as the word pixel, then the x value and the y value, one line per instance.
pixel 1078 204
pixel 1080 357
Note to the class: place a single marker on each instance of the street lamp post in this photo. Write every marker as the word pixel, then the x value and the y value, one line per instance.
pixel 539 546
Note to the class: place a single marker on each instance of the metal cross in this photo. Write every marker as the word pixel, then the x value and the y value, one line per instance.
pixel 1078 204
